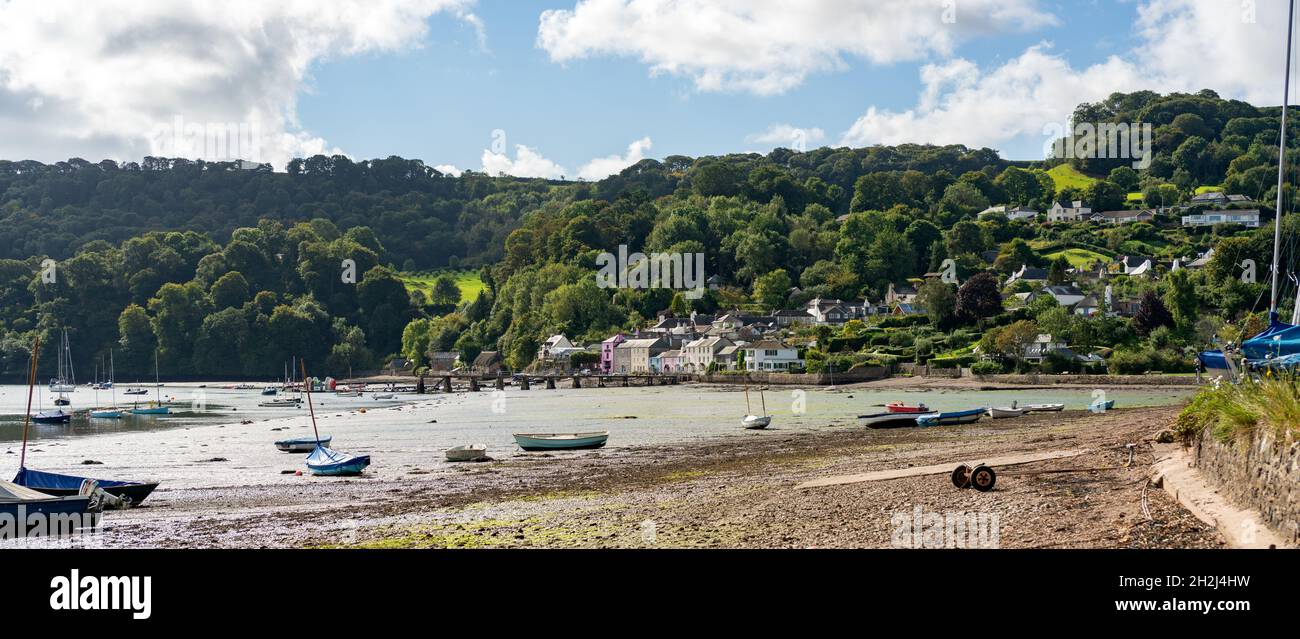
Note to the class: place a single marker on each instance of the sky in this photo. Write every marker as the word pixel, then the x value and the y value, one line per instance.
pixel 583 88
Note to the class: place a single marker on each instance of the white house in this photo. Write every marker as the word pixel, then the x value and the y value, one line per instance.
pixel 770 356
pixel 1124 217
pixel 1068 212
pixel 552 344
pixel 633 356
pixel 1248 219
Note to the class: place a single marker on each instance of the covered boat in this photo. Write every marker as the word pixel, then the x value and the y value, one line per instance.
pixel 323 461
pixel 302 444
pixel 889 420
pixel 952 418
pixel 58 485
pixel 561 441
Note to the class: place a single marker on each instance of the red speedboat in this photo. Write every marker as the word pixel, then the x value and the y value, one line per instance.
pixel 900 407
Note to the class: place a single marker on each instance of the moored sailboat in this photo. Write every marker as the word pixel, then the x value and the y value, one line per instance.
pixel 323 460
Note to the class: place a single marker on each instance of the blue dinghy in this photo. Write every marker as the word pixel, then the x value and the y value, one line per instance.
pixel 952 418
pixel 324 461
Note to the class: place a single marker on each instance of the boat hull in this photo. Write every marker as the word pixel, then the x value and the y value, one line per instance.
pixel 754 422
pixel 1044 408
pixel 59 417
pixel 303 445
pixel 575 441
pixel 466 453
pixel 955 418
pixel 352 466
pixel 106 414
pixel 905 409
pixel 163 410
pixel 889 420
pixel 1006 413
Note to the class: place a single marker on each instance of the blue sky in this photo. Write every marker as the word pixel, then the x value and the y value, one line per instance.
pixel 442 101
pixel 586 87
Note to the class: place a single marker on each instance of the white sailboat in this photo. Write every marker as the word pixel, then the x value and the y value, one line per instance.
pixel 752 421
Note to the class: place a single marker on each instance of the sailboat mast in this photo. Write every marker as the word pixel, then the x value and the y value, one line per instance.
pixel 310 408
pixel 31 382
pixel 1281 161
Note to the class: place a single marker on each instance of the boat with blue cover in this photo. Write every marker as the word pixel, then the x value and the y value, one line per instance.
pixel 68 485
pixel 323 460
pixel 952 418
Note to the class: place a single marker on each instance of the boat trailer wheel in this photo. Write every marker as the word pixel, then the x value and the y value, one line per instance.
pixel 981 478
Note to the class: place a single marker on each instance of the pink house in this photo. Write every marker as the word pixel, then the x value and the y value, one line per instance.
pixel 607 352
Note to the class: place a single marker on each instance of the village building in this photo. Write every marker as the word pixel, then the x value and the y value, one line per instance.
pixel 1074 211
pixel 442 361
pixel 607 347
pixel 633 356
pixel 1028 274
pixel 1012 213
pixel 487 363
pixel 1247 218
pixel 771 356
pixel 1124 217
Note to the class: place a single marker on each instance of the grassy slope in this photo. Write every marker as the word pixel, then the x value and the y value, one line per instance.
pixel 1080 258
pixel 468 281
pixel 1066 176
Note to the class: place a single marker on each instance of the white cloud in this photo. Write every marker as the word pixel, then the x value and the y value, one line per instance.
pixel 770 46
pixel 448 169
pixel 601 168
pixel 1184 45
pixel 111 78
pixel 527 163
pixel 788 136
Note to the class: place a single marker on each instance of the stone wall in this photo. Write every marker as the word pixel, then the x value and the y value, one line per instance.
pixel 860 374
pixel 1264 476
pixel 1092 380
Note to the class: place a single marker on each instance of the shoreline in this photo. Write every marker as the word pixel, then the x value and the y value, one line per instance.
pixel 725 492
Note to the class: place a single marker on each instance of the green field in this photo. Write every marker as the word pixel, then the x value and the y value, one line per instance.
pixel 1066 176
pixel 468 281
pixel 1080 258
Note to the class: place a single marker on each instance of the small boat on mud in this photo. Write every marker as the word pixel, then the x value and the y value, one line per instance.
pixel 561 441
pixel 1101 407
pixel 466 453
pixel 269 391
pixel 105 413
pixel 377 397
pixel 752 421
pixel 1006 412
pixel 900 407
pixel 889 420
pixel 302 444
pixel 1044 408
pixel 332 463
pixel 135 391
pixel 952 418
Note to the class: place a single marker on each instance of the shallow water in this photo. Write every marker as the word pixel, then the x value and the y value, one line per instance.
pixel 402 435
